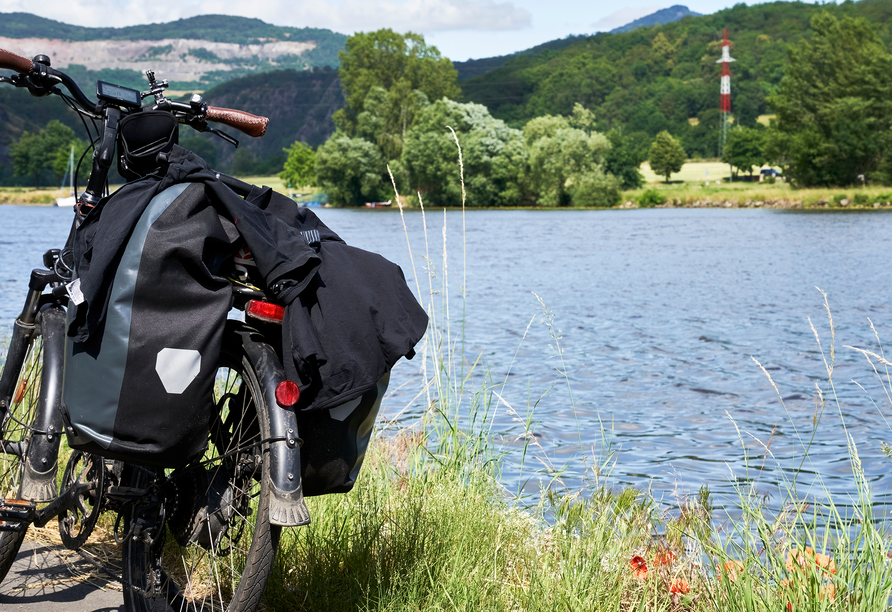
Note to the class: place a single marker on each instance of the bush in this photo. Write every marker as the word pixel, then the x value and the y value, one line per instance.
pixel 651 198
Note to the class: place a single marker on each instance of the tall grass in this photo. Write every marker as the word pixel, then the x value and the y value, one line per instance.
pixel 429 526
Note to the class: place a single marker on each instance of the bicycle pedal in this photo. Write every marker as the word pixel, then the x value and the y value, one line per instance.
pixel 16 514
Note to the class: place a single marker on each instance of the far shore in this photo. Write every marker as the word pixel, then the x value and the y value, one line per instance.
pixel 700 184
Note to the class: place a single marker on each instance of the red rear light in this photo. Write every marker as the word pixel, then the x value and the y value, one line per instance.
pixel 287 393
pixel 265 311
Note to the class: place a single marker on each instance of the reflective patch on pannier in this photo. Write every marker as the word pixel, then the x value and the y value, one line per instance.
pixel 177 368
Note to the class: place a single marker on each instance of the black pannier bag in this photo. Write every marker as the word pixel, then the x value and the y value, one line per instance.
pixel 140 388
pixel 335 441
pixel 343 332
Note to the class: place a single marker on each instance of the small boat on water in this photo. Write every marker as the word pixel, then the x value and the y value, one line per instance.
pixel 71 200
pixel 377 204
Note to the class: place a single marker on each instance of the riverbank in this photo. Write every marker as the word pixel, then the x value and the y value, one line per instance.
pixel 30 196
pixel 755 195
pixel 677 194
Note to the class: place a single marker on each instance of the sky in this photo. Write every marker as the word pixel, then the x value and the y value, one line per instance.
pixel 461 29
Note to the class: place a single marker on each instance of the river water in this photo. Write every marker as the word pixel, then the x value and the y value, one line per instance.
pixel 631 336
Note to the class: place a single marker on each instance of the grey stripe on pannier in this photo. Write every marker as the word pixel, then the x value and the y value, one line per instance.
pixel 94 407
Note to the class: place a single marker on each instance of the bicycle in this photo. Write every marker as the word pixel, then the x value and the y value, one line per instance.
pixel 203 536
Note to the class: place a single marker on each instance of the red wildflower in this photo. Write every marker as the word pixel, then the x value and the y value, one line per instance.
pixel 679 586
pixel 664 557
pixel 732 569
pixel 639 567
pixel 824 562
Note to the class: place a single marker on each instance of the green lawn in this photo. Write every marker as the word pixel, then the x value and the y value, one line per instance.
pixel 692 171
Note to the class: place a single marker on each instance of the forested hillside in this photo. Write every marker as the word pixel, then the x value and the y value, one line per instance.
pixel 298 103
pixel 664 77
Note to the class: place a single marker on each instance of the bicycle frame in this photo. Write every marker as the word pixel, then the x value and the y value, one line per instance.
pixel 47 298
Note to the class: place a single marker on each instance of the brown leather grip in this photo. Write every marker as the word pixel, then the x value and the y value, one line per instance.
pixel 11 61
pixel 252 125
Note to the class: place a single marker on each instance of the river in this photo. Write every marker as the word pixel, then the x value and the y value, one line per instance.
pixel 646 343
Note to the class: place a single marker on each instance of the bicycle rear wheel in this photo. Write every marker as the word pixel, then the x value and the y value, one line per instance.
pixel 219 546
pixel 16 429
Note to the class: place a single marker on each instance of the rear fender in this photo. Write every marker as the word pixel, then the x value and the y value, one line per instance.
pixel 287 507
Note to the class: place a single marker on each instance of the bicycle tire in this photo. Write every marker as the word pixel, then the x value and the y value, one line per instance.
pixel 16 427
pixel 191 576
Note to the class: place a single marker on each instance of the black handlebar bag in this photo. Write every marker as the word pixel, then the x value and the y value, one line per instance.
pixel 140 388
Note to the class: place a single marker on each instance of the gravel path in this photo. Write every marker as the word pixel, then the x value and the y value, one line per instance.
pixel 43 576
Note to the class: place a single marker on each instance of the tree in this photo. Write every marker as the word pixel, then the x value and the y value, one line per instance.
pixel 351 170
pixel 744 149
pixel 399 64
pixel 666 155
pixel 493 155
pixel 244 163
pixel 34 153
pixel 625 157
pixel 300 167
pixel 387 117
pixel 834 106
pixel 566 165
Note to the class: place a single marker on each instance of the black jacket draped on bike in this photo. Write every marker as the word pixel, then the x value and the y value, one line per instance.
pixel 349 313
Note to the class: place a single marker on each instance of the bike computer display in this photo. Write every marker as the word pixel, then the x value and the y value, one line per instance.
pixel 116 94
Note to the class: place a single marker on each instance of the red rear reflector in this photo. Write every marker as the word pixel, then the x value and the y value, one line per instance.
pixel 265 311
pixel 287 393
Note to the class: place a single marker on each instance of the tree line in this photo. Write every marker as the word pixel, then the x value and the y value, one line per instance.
pixel 402 119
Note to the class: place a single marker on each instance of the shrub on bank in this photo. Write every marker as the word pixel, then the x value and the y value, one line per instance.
pixel 651 198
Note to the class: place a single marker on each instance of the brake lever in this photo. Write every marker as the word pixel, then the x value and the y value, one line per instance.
pixel 16 80
pixel 201 126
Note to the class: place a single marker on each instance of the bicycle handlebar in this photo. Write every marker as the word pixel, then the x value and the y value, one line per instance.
pixel 252 125
pixel 11 61
pixel 41 79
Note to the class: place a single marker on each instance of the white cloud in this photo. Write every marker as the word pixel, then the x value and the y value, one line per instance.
pixel 344 16
pixel 622 17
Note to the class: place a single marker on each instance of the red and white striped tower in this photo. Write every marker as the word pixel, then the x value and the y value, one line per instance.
pixel 726 91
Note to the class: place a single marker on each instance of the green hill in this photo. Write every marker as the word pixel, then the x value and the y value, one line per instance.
pixel 664 76
pixel 195 53
pixel 215 28
pixel 299 104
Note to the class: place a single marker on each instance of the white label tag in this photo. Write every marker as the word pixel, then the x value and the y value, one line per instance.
pixel 74 291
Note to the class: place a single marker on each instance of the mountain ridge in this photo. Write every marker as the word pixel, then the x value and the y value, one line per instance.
pixel 477 67
pixel 660 17
pixel 194 53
